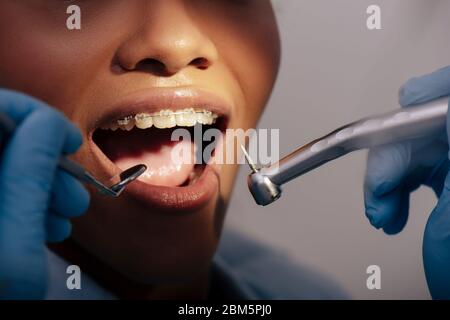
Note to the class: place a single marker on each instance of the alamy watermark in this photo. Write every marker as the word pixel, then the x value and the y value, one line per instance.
pixel 73 281
pixel 73 22
pixel 216 147
pixel 373 281
pixel 373 21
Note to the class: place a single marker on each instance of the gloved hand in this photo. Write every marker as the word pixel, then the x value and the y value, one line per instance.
pixel 394 171
pixel 36 198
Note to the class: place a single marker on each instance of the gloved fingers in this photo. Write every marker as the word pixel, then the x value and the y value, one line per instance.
pixel 415 162
pixel 27 167
pixel 70 198
pixel 386 168
pixel 436 178
pixel 73 139
pixel 436 246
pixel 393 172
pixel 386 188
pixel 58 228
pixel 425 88
pixel 27 173
pixel 428 166
pixel 399 218
pixel 18 105
pixel 382 210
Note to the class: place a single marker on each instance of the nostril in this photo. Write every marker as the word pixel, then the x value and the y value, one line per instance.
pixel 153 66
pixel 160 68
pixel 200 63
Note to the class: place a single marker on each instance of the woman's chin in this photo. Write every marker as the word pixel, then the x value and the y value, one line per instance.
pixel 150 248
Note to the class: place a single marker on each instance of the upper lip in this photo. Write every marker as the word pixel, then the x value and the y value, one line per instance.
pixel 153 100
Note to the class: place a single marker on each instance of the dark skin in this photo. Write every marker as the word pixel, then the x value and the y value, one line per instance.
pixel 229 47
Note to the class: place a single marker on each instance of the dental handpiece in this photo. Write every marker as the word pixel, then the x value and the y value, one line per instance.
pixel 120 181
pixel 405 124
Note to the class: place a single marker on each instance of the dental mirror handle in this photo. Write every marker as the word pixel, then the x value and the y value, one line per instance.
pixel 405 124
pixel 78 172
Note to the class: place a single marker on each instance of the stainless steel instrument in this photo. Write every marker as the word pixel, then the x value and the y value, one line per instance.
pixel 404 124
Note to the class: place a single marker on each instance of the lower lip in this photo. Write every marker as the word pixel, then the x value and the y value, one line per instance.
pixel 177 199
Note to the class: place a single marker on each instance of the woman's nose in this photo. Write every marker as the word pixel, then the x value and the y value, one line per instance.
pixel 167 42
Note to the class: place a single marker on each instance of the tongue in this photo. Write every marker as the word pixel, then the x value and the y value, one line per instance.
pixel 169 163
pixel 162 170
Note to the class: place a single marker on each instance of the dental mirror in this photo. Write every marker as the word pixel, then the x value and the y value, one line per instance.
pixel 126 177
pixel 119 181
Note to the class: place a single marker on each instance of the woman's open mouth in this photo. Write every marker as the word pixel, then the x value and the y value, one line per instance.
pixel 147 139
pixel 141 130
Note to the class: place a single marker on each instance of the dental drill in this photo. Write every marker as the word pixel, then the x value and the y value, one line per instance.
pixel 408 123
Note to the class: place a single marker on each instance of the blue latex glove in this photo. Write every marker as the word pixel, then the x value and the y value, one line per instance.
pixel 394 171
pixel 36 198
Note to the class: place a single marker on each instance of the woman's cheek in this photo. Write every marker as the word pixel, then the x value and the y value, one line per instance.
pixel 36 66
pixel 254 57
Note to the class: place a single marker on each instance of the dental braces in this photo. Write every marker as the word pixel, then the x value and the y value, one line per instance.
pixel 142 116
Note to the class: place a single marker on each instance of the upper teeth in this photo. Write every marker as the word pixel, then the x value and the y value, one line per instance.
pixel 165 119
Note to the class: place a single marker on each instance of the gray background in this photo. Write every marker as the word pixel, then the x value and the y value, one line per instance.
pixel 335 70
